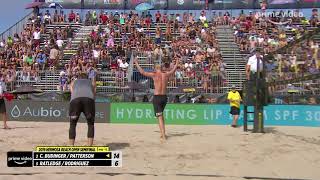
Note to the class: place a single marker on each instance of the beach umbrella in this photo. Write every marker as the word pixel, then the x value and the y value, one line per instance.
pixel 144 7
pixel 34 5
pixel 55 5
pixel 26 90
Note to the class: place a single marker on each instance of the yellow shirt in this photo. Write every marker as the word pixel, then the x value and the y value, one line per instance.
pixel 234 98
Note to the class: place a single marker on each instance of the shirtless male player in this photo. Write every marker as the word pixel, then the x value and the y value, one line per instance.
pixel 160 79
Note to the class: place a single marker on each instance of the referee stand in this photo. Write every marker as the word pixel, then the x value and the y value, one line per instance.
pixel 255 93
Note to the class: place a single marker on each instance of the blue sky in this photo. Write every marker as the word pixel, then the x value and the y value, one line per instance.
pixel 11 11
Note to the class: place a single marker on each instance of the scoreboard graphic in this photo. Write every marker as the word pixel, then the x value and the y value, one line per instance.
pixel 65 156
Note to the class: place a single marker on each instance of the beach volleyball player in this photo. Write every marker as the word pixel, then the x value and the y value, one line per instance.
pixel 160 79
pixel 83 92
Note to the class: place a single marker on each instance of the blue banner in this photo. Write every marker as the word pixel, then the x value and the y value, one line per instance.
pixel 213 114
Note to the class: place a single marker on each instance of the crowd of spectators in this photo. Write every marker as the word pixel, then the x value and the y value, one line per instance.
pixel 272 31
pixel 119 35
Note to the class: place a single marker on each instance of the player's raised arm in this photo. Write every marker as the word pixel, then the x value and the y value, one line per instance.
pixel 174 68
pixel 148 74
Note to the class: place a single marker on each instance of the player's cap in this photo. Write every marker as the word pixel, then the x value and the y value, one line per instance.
pixel 233 87
pixel 62 73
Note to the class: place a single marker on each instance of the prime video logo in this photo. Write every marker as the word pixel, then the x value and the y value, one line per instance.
pixel 17 112
pixel 283 14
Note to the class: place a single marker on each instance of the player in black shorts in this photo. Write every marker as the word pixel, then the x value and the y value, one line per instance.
pixel 82 101
pixel 3 112
pixel 160 79
pixel 159 103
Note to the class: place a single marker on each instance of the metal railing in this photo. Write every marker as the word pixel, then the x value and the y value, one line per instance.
pixel 16 28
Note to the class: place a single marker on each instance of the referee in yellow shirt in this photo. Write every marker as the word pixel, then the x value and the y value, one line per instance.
pixel 234 99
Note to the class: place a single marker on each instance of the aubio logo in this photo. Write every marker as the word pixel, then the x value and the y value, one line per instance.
pixel 16 112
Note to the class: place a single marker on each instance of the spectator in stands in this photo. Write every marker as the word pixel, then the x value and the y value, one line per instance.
pixel 62 16
pixel 11 75
pixel 176 99
pixel 35 70
pixel 56 16
pixel 158 17
pixel 36 37
pixel 314 21
pixel 53 57
pixel 123 64
pixel 69 32
pixel 145 98
pixel 313 69
pixel 72 17
pixel 202 99
pixel 47 18
pixel 26 72
pixel 178 77
pixel 104 18
pixel 203 17
pixel 60 43
pixel 28 59
pixel 312 101
pixel 78 19
pixel 92 72
pixel 41 59
pixel 94 18
pixel 63 81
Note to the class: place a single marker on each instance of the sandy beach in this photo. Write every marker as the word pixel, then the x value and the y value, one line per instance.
pixel 191 152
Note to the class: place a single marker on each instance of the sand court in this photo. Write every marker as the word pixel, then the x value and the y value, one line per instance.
pixel 191 152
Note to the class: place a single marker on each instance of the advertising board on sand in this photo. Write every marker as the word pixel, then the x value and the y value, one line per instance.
pixel 49 111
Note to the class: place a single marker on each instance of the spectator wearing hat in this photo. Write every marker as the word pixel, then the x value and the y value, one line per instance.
pixel 251 67
pixel 63 81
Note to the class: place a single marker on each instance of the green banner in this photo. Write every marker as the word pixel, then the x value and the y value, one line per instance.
pixel 186 114
pixel 213 114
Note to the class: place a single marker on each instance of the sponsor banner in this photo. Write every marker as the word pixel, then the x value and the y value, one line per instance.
pixel 28 110
pixel 199 114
